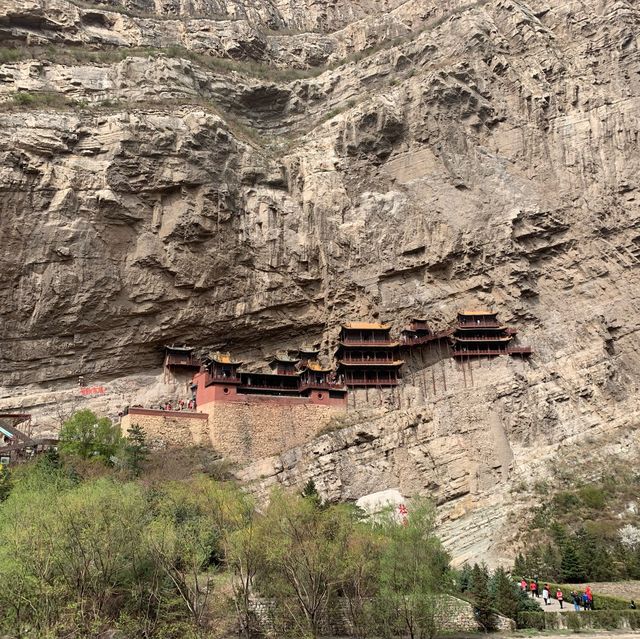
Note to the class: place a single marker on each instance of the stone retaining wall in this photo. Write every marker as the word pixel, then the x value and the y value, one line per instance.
pixel 166 429
pixel 259 428
pixel 454 615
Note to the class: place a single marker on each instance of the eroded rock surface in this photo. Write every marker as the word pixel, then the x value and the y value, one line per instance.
pixel 427 159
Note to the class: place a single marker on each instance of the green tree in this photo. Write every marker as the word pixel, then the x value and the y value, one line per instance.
pixel 414 574
pixel 360 576
pixel 191 524
pixel 135 449
pixel 304 558
pixel 520 566
pixel 464 578
pixel 311 493
pixel 571 567
pixel 90 437
pixel 504 593
pixel 482 597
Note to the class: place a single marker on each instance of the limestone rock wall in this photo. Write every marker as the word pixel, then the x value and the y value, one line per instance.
pixel 293 165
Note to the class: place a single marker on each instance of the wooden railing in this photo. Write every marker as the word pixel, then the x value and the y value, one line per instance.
pixel 520 350
pixel 182 360
pixel 266 386
pixel 353 342
pixel 371 382
pixel 479 352
pixel 374 361
pixel 479 324
pixel 486 338
pixel 220 379
pixel 322 385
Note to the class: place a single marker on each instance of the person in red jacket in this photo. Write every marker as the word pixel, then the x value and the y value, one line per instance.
pixel 559 597
pixel 533 587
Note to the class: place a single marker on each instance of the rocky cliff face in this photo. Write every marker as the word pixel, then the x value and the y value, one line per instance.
pixel 248 174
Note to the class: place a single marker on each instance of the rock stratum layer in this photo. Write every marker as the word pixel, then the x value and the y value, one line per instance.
pixel 249 174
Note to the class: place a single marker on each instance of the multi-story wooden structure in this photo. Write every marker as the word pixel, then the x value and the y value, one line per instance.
pixel 180 359
pixel 290 377
pixel 367 356
pixel 479 333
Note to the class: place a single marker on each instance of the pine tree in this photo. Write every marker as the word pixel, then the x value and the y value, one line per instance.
pixel 136 451
pixel 551 562
pixel 504 593
pixel 464 578
pixel 520 566
pixel 311 493
pixel 482 598
pixel 571 567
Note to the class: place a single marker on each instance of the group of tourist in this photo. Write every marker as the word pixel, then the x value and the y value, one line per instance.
pixel 181 404
pixel 585 600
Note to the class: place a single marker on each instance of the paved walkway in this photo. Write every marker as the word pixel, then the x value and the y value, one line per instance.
pixel 554 605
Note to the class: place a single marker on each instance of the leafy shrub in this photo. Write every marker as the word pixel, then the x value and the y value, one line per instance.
pixel 533 620
pixel 565 501
pixel 592 496
pixel 596 619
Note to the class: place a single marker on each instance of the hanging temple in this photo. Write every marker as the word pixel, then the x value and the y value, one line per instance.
pixel 367 356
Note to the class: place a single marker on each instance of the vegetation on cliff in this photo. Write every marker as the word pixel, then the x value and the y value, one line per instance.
pixel 587 531
pixel 87 547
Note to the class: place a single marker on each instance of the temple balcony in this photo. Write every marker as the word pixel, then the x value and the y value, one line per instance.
pixel 268 389
pixel 480 324
pixel 481 352
pixel 354 342
pixel 484 338
pixel 520 350
pixel 321 386
pixel 375 361
pixel 372 382
pixel 187 361
pixel 220 379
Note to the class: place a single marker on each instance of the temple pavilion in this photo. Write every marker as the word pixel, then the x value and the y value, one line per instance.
pixel 367 355
pixel 222 367
pixel 292 375
pixel 180 358
pixel 479 333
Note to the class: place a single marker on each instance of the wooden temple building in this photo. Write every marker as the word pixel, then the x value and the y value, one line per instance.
pixel 298 374
pixel 17 444
pixel 367 356
pixel 479 333
pixel 180 359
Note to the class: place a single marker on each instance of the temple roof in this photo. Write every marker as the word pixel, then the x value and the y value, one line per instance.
pixel 223 358
pixel 373 326
pixel 371 364
pixel 307 349
pixel 477 312
pixel 284 359
pixel 316 366
pixel 182 349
